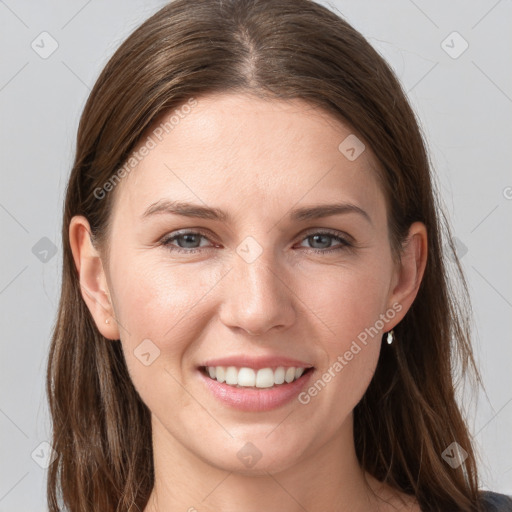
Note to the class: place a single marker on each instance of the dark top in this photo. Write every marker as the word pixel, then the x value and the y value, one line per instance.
pixel 495 502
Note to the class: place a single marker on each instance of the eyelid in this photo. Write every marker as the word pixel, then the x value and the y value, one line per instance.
pixel 346 242
pixel 334 232
pixel 308 232
pixel 186 231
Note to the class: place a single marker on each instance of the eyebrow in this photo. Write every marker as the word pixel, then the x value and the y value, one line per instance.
pixel 186 209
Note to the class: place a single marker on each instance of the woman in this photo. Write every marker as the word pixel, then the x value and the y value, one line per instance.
pixel 298 354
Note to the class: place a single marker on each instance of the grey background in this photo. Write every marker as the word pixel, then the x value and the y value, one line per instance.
pixel 464 105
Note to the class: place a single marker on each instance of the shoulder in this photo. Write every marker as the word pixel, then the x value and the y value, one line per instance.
pixel 495 502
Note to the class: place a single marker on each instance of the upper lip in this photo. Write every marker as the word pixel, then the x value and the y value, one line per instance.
pixel 245 361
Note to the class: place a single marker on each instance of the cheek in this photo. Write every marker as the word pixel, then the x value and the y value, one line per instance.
pixel 349 307
pixel 351 346
pixel 167 303
pixel 346 301
pixel 159 311
pixel 155 300
pixel 164 310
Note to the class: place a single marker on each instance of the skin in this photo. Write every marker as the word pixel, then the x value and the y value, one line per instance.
pixel 256 160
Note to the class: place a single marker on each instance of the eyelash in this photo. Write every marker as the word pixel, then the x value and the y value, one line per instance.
pixel 166 242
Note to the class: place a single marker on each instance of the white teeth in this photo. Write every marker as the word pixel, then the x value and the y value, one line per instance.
pixel 220 373
pixel 279 375
pixel 248 377
pixel 265 378
pixel 231 376
pixel 290 374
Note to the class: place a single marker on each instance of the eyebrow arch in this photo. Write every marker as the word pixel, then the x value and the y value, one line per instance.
pixel 187 209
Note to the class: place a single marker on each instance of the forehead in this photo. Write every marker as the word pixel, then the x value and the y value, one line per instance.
pixel 237 151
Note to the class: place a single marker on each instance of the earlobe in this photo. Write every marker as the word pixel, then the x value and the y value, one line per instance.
pixel 92 278
pixel 411 271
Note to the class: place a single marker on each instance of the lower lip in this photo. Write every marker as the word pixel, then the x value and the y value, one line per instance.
pixel 256 400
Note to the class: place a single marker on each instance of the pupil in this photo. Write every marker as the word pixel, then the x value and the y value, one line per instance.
pixel 187 237
pixel 326 238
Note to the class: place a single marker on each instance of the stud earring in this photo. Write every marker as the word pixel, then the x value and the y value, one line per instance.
pixel 107 321
pixel 390 337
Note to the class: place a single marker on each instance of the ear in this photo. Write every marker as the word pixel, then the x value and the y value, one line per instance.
pixel 409 273
pixel 93 282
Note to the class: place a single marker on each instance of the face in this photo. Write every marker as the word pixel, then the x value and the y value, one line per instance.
pixel 269 285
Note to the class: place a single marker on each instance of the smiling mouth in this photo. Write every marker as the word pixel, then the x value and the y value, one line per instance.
pixel 263 378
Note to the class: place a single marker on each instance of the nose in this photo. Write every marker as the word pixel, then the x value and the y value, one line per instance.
pixel 258 297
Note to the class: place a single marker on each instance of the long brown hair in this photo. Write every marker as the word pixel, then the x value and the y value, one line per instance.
pixel 275 49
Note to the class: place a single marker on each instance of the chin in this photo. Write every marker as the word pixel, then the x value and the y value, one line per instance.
pixel 256 458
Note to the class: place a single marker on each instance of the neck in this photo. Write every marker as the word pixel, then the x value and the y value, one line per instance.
pixel 327 478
